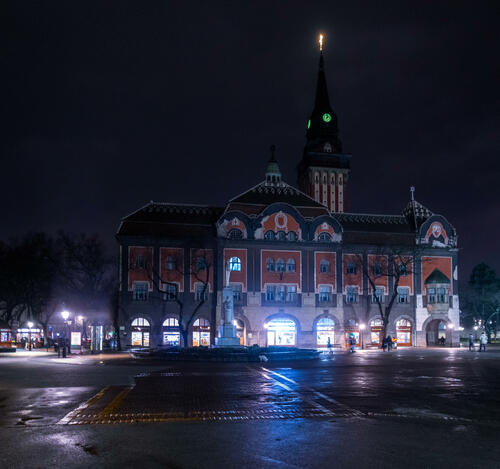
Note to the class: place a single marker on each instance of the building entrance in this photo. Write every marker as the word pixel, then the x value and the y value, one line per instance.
pixel 325 329
pixel 436 333
pixel 281 331
pixel 140 330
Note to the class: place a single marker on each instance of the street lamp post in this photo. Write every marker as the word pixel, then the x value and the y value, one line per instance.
pixel 362 328
pixel 65 316
pixel 30 326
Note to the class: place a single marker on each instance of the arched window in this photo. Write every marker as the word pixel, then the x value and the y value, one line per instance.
pixel 171 322
pixel 280 265
pixel 235 233
pixel 201 332
pixel 324 237
pixel 170 263
pixel 403 323
pixel 142 322
pixel 269 235
pixel 292 236
pixel 324 266
pixel 351 268
pixel 235 264
pixel 290 265
pixel 377 322
pixel 325 329
pixel 270 265
pixel 281 236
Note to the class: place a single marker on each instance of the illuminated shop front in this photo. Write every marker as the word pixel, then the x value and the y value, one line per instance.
pixel 325 329
pixel 171 333
pixel 352 329
pixel 35 334
pixel 281 331
pixel 140 332
pixel 201 332
pixel 376 332
pixel 404 333
pixel 5 335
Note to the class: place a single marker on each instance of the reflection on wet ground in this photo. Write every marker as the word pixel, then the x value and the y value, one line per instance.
pixel 447 386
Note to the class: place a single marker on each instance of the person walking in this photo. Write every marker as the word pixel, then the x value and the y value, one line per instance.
pixel 389 342
pixel 471 343
pixel 352 343
pixel 329 346
pixel 384 344
pixel 483 340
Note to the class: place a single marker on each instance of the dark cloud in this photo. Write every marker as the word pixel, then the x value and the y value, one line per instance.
pixel 110 104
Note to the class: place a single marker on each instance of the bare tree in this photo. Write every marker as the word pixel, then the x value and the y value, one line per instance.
pixel 200 267
pixel 391 265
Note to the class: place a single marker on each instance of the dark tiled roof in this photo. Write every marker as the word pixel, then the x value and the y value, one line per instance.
pixel 162 219
pixel 255 199
pixel 437 277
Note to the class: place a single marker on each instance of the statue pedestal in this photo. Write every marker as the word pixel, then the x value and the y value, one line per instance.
pixel 227 332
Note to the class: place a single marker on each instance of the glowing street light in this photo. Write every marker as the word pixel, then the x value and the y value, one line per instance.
pixel 450 325
pixel 65 315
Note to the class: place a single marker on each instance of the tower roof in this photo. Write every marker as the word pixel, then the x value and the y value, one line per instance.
pixel 322 127
pixel 273 173
pixel 436 277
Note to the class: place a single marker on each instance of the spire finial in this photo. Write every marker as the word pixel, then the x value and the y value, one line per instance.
pixel 321 42
pixel 273 149
pixel 412 192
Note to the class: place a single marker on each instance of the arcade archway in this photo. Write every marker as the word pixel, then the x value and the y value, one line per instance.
pixel 281 331
pixel 436 333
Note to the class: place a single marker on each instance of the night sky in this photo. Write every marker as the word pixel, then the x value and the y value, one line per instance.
pixel 108 105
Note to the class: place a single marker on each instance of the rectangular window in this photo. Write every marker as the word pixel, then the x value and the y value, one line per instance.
pixel 442 295
pixel 378 295
pixel 377 269
pixel 236 287
pixel 280 293
pixel 403 294
pixel 351 268
pixel 198 292
pixel 140 291
pixel 170 291
pixel 351 295
pixel 139 262
pixel 291 294
pixel 270 292
pixel 431 295
pixel 325 293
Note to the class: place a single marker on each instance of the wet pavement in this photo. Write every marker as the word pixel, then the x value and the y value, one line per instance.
pixel 417 407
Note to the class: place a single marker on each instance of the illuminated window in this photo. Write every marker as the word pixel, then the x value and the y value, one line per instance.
pixel 270 265
pixel 324 266
pixel 442 295
pixel 171 322
pixel 235 264
pixel 291 293
pixel 431 295
pixel 280 265
pixel 142 322
pixel 270 292
pixel 280 293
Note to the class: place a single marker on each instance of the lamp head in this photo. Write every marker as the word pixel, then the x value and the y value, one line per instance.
pixel 65 315
pixel 30 324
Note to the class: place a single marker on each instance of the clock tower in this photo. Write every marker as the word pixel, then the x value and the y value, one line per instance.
pixel 323 172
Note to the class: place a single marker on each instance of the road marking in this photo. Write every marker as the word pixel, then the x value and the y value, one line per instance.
pixel 316 393
pixel 71 415
pixel 115 402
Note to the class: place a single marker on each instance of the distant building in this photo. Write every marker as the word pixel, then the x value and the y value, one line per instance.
pixel 300 262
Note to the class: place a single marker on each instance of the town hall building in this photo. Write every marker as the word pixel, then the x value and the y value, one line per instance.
pixel 304 270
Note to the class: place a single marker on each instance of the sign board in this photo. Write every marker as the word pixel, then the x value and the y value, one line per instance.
pixel 76 339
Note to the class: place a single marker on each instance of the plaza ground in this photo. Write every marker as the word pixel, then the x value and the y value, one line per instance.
pixel 409 408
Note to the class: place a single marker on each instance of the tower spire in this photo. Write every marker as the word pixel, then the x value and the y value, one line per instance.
pixel 273 173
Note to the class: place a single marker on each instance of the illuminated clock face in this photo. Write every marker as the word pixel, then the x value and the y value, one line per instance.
pixel 327 117
pixel 309 124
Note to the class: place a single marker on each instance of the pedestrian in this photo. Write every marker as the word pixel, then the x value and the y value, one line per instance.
pixel 329 346
pixel 389 343
pixel 352 343
pixel 483 340
pixel 471 343
pixel 384 344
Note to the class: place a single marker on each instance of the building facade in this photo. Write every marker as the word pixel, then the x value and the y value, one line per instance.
pixel 303 269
